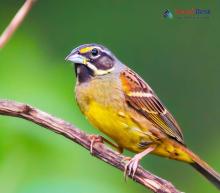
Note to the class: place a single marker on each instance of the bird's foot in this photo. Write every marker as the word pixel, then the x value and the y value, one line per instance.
pixel 94 139
pixel 99 139
pixel 131 166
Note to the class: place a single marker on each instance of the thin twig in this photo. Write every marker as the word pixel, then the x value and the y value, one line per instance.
pixel 16 22
pixel 101 151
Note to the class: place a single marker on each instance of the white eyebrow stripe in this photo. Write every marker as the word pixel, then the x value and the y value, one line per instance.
pixel 140 94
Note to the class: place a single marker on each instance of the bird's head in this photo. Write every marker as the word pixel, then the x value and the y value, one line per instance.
pixel 92 60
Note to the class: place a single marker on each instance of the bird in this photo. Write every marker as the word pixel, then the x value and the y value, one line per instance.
pixel 119 103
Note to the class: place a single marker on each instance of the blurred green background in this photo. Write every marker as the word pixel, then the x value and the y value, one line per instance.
pixel 178 57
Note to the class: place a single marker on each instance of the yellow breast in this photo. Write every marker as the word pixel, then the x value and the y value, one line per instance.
pixel 109 113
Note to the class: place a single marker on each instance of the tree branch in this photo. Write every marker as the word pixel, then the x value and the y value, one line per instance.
pixel 15 22
pixel 101 151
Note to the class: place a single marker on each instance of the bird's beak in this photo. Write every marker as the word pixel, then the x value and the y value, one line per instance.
pixel 76 58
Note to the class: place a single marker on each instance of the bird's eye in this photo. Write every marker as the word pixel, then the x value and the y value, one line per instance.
pixel 94 52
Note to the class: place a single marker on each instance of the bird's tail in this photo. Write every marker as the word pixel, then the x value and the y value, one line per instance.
pixel 203 168
pixel 174 150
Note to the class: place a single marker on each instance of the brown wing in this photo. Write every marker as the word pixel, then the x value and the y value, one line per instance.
pixel 142 98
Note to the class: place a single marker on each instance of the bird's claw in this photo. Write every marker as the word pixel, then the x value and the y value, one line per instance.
pixel 94 139
pixel 131 167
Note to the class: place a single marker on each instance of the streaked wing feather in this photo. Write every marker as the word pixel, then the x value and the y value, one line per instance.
pixel 142 98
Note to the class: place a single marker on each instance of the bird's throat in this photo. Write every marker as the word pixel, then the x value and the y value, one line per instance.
pixel 83 73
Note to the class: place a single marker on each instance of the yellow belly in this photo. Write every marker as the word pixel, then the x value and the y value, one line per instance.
pixel 125 132
pixel 117 125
